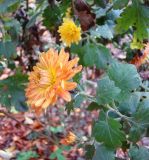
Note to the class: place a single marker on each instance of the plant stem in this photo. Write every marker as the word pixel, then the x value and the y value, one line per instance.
pixel 117 112
pixel 145 87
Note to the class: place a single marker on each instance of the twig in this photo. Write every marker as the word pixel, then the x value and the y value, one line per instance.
pixel 27 5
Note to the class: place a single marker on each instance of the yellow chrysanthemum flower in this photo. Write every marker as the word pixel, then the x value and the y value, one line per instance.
pixel 49 79
pixel 69 32
pixel 69 139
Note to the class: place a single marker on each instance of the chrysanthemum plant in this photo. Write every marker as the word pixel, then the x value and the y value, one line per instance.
pixel 83 70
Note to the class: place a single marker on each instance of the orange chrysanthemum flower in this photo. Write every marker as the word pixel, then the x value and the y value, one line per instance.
pixel 69 139
pixel 139 60
pixel 49 79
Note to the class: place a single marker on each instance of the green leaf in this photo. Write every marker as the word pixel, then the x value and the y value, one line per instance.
pixel 104 31
pixel 27 155
pixel 56 129
pixel 141 117
pixel 119 4
pixel 127 19
pixel 41 7
pixel 135 133
pixel 132 18
pixel 144 104
pixel 78 100
pixel 102 57
pixel 94 106
pixel 107 130
pixel 77 77
pixel 89 152
pixel 139 153
pixel 123 96
pixel 125 76
pixel 5 5
pixel 51 16
pixel 101 3
pixel 7 49
pixel 142 23
pixel 139 121
pixel 103 153
pixel 106 91
pixel 69 107
pixel 13 27
pixel 12 92
pixel 130 104
pixel 60 157
pixel 57 154
pixel 93 55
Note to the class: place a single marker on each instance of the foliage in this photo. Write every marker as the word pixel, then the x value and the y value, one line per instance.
pixel 58 153
pixel 14 96
pixel 108 84
pixel 107 130
pixel 27 155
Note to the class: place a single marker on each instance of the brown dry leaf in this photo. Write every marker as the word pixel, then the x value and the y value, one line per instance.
pixel 37 125
pixel 83 12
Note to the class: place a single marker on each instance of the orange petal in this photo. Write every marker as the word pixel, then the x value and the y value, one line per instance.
pixel 39 102
pixel 64 94
pixel 72 62
pixel 73 72
pixel 68 85
pixel 46 103
pixel 63 56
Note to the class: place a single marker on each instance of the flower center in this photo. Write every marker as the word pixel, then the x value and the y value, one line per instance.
pixel 52 77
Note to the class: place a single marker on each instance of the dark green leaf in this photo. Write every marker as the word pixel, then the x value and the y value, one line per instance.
pixel 12 92
pixel 69 107
pixel 119 4
pixel 89 152
pixel 13 27
pixel 101 3
pixel 103 153
pixel 91 54
pixel 142 23
pixel 141 117
pixel 94 106
pixel 127 19
pixel 7 49
pixel 106 91
pixel 139 153
pixel 132 18
pixel 78 100
pixel 107 130
pixel 51 16
pixel 140 120
pixel 77 77
pixel 135 133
